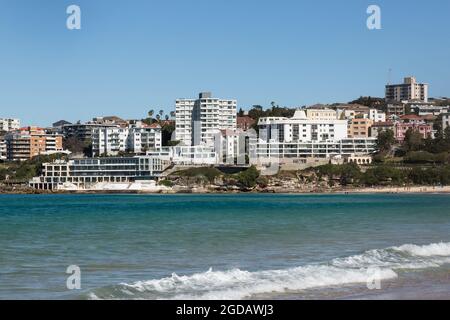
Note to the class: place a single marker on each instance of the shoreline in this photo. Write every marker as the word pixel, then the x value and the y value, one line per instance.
pixel 340 191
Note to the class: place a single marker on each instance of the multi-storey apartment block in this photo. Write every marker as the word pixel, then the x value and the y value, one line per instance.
pixel 111 141
pixel 298 138
pixel 395 109
pixel 302 128
pixel 83 131
pixel 297 152
pixel 29 142
pixel 408 90
pixel 142 139
pixel 233 145
pixel 3 152
pixel 9 124
pixel 429 109
pixel 359 128
pixel 198 120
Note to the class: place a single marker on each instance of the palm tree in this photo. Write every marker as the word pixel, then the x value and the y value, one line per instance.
pixel 161 112
pixel 150 113
pixel 158 117
pixel 172 114
pixel 167 117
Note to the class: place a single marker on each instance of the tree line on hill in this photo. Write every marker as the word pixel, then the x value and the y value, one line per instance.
pixel 384 175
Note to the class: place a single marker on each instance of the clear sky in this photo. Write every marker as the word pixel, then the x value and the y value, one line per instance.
pixel 132 56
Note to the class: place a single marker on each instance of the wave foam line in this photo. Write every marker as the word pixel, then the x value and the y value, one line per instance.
pixel 239 284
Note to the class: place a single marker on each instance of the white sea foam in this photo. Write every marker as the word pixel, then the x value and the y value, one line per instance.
pixel 240 284
pixel 435 249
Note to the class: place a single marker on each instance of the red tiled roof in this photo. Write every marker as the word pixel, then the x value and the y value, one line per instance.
pixel 383 124
pixel 429 117
pixel 245 119
pixel 411 117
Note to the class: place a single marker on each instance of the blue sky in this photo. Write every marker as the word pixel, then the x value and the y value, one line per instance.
pixel 132 56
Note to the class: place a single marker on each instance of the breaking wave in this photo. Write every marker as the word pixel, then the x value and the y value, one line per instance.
pixel 382 264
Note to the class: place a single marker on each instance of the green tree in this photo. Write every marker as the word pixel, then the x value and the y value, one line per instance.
pixel 166 134
pixel 248 178
pixel 350 174
pixel 74 145
pixel 385 140
pixel 413 140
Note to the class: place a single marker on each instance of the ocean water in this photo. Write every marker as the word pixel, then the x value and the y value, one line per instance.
pixel 245 246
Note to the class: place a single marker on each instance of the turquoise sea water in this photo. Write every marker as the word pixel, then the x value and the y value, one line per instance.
pixel 221 246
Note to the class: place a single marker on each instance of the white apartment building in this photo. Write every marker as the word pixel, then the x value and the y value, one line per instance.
pixel 376 115
pixel 193 155
pixel 301 128
pixel 183 121
pixel 232 145
pixel 284 140
pixel 111 141
pixel 429 109
pixel 297 152
pixel 142 139
pixel 7 124
pixel 198 120
pixel 445 121
pixel 186 155
pixel 3 150
pixel 410 89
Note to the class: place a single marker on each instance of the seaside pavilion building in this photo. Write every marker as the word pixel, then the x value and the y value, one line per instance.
pixel 85 173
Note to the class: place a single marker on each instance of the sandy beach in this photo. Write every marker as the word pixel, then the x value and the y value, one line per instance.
pixel 412 189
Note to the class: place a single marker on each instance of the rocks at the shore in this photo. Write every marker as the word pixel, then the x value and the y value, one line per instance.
pixel 284 182
pixel 21 189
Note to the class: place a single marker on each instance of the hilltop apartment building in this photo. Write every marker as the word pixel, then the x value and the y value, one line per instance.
pixel 410 89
